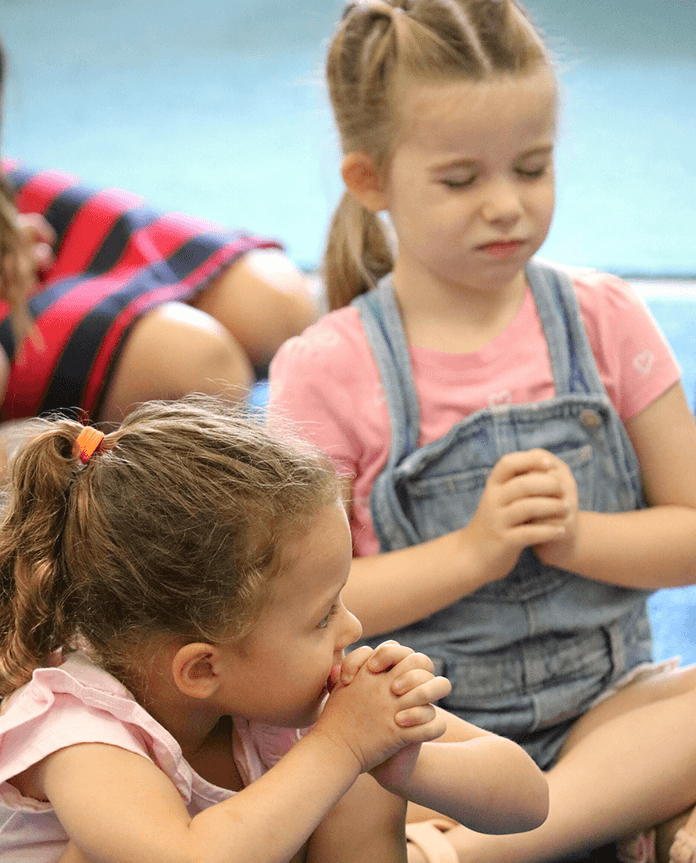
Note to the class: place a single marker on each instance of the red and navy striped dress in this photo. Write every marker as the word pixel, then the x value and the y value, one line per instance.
pixel 115 260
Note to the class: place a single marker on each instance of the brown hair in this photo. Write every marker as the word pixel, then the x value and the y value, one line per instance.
pixel 429 40
pixel 15 282
pixel 174 528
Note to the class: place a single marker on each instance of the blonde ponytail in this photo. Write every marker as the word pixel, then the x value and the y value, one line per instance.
pixel 358 252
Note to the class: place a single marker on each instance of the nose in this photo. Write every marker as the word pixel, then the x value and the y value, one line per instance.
pixel 351 630
pixel 501 204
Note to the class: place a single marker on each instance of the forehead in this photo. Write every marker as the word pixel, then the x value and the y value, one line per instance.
pixel 315 565
pixel 453 116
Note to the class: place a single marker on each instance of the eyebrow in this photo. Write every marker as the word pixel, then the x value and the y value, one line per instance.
pixel 329 599
pixel 545 150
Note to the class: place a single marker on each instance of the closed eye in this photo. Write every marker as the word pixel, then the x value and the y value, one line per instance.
pixel 534 174
pixel 333 611
pixel 458 184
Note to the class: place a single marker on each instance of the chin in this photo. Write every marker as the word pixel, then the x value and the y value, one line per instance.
pixel 304 718
pixel 310 717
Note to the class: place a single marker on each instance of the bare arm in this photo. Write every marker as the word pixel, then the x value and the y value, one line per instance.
pixel 485 782
pixel 477 778
pixel 104 798
pixel 654 547
pixel 117 806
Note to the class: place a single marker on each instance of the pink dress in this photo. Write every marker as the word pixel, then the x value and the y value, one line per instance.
pixel 78 702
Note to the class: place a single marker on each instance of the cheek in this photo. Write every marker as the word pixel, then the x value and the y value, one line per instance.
pixel 550 205
pixel 541 204
pixel 549 197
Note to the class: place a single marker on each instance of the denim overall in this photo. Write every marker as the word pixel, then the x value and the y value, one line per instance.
pixel 528 654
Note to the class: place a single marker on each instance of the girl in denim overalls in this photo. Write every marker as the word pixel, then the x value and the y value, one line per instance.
pixel 517 544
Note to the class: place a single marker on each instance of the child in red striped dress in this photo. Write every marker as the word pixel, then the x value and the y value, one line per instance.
pixel 126 304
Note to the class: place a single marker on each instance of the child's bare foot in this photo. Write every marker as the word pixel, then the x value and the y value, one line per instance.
pixel 427 842
pixel 676 839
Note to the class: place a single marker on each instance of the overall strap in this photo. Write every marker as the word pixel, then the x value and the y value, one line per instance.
pixel 572 361
pixel 573 364
pixel 381 320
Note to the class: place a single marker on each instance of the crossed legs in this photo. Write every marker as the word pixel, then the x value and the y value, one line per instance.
pixel 629 764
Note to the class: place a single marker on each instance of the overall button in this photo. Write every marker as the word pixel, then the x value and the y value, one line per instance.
pixel 590 418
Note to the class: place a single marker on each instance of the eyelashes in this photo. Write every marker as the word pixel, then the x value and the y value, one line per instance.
pixel 333 611
pixel 466 182
pixel 533 175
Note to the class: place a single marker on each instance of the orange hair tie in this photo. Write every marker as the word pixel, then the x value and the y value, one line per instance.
pixel 87 443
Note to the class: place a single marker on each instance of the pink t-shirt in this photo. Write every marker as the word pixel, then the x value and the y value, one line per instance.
pixel 78 702
pixel 327 381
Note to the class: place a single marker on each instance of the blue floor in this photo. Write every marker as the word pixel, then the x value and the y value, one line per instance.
pixel 217 108
pixel 673 612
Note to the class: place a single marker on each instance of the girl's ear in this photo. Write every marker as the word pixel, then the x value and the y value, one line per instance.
pixel 196 669
pixel 363 182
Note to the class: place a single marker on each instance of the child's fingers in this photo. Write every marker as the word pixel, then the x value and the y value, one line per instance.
pixel 412 716
pixel 386 655
pixel 516 463
pixel 538 509
pixel 353 663
pixel 411 661
pixel 533 484
pixel 382 658
pixel 428 723
pixel 423 695
pixel 406 682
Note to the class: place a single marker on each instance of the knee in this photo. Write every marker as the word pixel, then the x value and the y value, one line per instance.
pixel 262 300
pixel 213 362
pixel 173 351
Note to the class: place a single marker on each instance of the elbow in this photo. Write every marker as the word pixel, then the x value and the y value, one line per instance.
pixel 530 808
pixel 535 809
pixel 524 805
pixel 542 805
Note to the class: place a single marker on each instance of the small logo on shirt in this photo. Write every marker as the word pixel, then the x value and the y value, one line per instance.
pixel 503 398
pixel 643 362
pixel 380 396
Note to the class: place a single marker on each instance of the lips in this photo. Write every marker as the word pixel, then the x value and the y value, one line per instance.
pixel 502 248
pixel 333 678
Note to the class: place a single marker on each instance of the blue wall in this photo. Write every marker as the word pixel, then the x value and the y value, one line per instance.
pixel 217 108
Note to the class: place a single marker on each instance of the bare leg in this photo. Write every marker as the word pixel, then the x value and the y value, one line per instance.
pixel 262 300
pixel 629 764
pixel 174 350
pixel 365 826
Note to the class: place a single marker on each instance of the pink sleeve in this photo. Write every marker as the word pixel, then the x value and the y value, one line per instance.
pixel 275 742
pixel 323 381
pixel 66 723
pixel 633 357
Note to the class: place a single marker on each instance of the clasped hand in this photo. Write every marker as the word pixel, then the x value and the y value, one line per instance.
pixel 381 702
pixel 530 499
